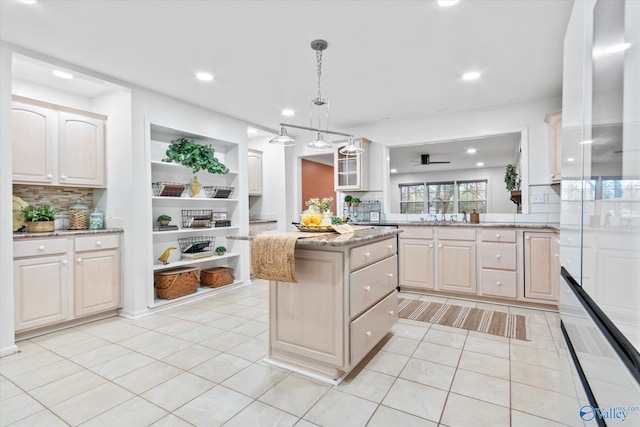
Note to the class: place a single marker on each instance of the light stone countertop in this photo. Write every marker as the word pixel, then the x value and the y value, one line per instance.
pixel 466 224
pixel 335 239
pixel 63 233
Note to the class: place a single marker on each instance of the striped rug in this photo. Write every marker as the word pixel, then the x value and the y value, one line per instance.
pixel 473 319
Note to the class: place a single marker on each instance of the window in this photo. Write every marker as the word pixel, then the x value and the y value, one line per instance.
pixel 412 198
pixel 472 195
pixel 572 189
pixel 443 197
pixel 617 188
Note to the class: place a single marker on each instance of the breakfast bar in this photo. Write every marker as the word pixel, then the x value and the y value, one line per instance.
pixel 344 303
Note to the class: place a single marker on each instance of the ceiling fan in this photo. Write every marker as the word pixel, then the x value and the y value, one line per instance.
pixel 426 160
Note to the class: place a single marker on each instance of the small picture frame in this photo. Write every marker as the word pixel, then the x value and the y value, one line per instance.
pixel 374 216
pixel 218 215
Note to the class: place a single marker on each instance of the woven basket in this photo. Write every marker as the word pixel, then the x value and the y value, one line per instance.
pixel 215 277
pixel 176 282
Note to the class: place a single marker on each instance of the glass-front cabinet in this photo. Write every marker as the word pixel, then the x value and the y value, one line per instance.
pixel 351 173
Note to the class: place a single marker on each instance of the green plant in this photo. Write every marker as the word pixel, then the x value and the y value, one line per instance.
pixel 336 220
pixel 511 178
pixel 42 213
pixel 195 156
pixel 355 201
pixel 348 198
pixel 164 218
pixel 221 249
pixel 321 205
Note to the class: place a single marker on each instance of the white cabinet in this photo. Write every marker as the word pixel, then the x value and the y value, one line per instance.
pixel 62 279
pixel 416 251
pixel 457 266
pixel 255 172
pixel 498 263
pixel 97 274
pixel 180 208
pixel 554 121
pixel 351 173
pixel 55 147
pixel 541 266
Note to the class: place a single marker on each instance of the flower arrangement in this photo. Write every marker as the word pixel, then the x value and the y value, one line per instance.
pixel 321 205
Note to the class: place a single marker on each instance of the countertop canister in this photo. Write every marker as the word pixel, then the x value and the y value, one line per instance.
pixel 78 216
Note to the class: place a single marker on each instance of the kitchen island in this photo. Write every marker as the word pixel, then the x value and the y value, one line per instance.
pixel 344 304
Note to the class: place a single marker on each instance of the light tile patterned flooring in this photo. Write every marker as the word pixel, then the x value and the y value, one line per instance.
pixel 201 364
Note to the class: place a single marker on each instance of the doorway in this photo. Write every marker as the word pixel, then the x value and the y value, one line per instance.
pixel 317 179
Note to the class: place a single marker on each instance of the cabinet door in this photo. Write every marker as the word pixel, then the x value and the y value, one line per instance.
pixel 41 291
pixel 457 266
pixel 554 121
pixel 81 151
pixel 97 282
pixel 255 173
pixel 32 143
pixel 416 263
pixel 541 266
pixel 351 172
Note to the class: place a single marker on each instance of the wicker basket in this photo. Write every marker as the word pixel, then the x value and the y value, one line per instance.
pixel 176 282
pixel 215 277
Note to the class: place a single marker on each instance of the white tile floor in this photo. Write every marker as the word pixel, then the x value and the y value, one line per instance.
pixel 201 364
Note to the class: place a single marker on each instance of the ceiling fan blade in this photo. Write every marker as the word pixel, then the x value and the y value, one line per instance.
pixel 435 163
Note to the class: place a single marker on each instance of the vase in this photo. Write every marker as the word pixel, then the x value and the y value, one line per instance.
pixel 326 218
pixel 195 187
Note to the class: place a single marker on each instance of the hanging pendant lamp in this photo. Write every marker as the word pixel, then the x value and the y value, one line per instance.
pixel 351 149
pixel 283 139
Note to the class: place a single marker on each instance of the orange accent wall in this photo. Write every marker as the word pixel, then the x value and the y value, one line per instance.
pixel 317 181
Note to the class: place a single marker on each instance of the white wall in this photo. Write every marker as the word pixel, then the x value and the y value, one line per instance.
pixel 498 196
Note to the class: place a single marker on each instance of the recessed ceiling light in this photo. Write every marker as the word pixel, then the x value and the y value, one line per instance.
pixel 479 164
pixel 62 74
pixel 617 48
pixel 204 77
pixel 586 141
pixel 288 113
pixel 570 159
pixel 27 1
pixel 394 170
pixel 447 3
pixel 471 150
pixel 472 75
pixel 252 131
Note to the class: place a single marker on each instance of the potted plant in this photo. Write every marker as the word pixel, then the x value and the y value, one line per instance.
pixel 512 181
pixel 195 156
pixel 164 219
pixel 221 250
pixel 347 200
pixel 355 201
pixel 39 219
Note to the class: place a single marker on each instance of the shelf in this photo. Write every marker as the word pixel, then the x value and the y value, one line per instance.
pixel 192 230
pixel 202 290
pixel 170 201
pixel 182 168
pixel 183 263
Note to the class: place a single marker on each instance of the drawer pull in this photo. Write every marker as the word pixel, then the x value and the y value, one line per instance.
pixel 390 246
pixel 390 275
pixel 368 333
pixel 41 248
pixel 367 288
pixel 367 254
pixel 98 243
pixel 391 313
pixel 528 237
pixel 49 176
pixel 439 246
pixel 64 262
pixel 497 235
pixel 499 283
pixel 556 255
pixel 498 256
pixel 431 245
pixel 63 177
pixel 78 259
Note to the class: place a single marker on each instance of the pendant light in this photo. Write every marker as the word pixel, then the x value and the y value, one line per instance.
pixel 319 144
pixel 351 149
pixel 283 139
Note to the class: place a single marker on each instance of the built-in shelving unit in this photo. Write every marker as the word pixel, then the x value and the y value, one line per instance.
pixel 227 152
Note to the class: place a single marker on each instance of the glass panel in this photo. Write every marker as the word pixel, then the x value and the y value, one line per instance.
pixel 472 195
pixel 441 197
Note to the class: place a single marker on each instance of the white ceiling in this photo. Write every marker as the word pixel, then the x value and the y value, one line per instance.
pixel 386 60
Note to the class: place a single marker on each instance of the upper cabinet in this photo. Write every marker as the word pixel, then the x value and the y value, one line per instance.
pixel 351 173
pixel 554 121
pixel 55 147
pixel 255 173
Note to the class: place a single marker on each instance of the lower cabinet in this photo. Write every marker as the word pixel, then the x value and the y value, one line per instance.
pixel 457 266
pixel 541 266
pixel 417 268
pixel 61 279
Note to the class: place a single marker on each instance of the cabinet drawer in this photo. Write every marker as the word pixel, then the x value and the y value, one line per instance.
pixel 416 233
pixel 100 241
pixel 368 254
pixel 498 235
pixel 39 247
pixel 371 283
pixel 500 283
pixel 455 233
pixel 498 255
pixel 368 329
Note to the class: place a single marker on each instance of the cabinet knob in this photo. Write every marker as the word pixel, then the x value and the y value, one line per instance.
pixel 367 288
pixel 78 259
pixel 390 275
pixel 439 246
pixel 499 283
pixel 556 255
pixel 527 237
pixel 498 256
pixel 390 246
pixel 497 235
pixel 98 243
pixel 431 245
pixel 368 333
pixel 63 177
pixel 64 262
pixel 41 248
pixel 391 312
pixel 49 176
pixel 366 254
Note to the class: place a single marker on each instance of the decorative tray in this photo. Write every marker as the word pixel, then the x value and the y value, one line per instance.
pixel 314 229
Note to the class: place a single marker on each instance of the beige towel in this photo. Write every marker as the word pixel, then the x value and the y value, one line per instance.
pixel 273 256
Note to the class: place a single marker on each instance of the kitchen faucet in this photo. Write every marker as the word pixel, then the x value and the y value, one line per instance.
pixel 434 203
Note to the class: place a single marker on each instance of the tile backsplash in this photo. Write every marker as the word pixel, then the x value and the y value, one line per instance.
pixel 58 197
